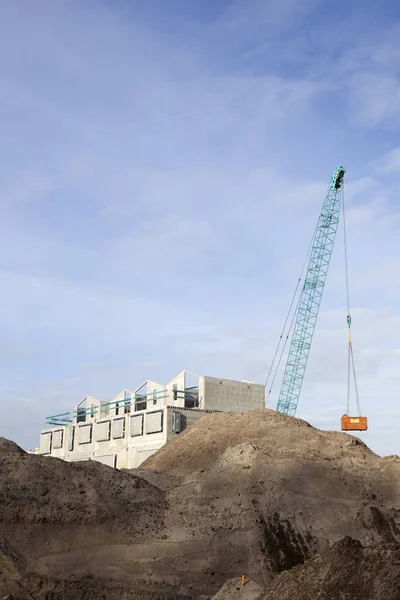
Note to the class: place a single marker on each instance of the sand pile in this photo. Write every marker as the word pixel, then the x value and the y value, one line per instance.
pixel 345 571
pixel 280 438
pixel 253 494
pixel 38 489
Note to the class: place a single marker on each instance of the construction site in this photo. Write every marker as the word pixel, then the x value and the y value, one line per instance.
pixel 199 489
pixel 124 432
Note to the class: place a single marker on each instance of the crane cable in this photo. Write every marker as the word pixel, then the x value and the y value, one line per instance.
pixel 350 358
pixel 280 340
pixel 285 324
pixel 286 340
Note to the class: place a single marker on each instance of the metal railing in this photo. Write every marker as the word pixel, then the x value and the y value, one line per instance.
pixel 122 405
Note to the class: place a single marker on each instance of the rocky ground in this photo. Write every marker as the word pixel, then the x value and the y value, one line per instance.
pixel 259 494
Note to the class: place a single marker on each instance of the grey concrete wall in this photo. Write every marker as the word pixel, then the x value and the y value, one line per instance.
pixel 233 396
pixel 188 416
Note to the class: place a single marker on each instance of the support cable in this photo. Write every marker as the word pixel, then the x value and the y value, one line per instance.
pixel 348 378
pixel 350 360
pixel 355 381
pixel 283 331
pixel 285 324
pixel 345 255
pixel 281 336
pixel 284 346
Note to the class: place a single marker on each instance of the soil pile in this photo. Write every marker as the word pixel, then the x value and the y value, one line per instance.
pixel 215 437
pixel 278 487
pixel 38 489
pixel 51 508
pixel 345 571
pixel 254 494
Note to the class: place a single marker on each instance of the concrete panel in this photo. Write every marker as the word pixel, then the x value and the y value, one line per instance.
pixel 118 428
pixel 142 454
pixel 45 443
pixel 121 407
pixel 86 403
pixel 84 434
pixel 187 418
pixel 233 396
pixel 58 436
pixel 71 437
pixel 102 431
pixel 106 459
pixel 136 425
pixel 175 386
pixel 156 394
pixel 154 422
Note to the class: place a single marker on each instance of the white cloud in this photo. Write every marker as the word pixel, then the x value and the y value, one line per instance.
pixel 376 99
pixel 390 162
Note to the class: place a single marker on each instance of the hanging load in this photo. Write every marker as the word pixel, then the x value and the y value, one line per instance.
pixel 354 423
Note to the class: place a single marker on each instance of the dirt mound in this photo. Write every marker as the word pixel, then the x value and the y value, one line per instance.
pixel 347 570
pixel 8 447
pixel 38 489
pixel 254 494
pixel 295 487
pixel 50 508
pixel 216 436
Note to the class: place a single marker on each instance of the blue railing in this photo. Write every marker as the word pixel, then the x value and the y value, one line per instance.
pixel 60 419
pixel 81 413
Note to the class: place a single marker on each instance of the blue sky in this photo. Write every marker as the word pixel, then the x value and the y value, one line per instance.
pixel 163 165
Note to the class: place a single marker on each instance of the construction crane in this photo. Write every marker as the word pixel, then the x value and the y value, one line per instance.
pixel 310 297
pixel 306 313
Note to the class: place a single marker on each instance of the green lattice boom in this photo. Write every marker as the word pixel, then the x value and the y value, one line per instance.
pixel 310 298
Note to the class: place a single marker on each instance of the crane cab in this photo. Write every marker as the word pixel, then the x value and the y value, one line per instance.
pixel 354 423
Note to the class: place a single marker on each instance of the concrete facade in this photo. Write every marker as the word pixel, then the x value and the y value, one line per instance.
pixel 124 432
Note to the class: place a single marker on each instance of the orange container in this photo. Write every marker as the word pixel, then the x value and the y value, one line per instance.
pixel 354 423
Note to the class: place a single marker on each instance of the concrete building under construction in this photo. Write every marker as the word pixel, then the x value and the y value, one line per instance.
pixel 124 432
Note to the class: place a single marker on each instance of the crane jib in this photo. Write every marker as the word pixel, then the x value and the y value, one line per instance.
pixel 310 296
